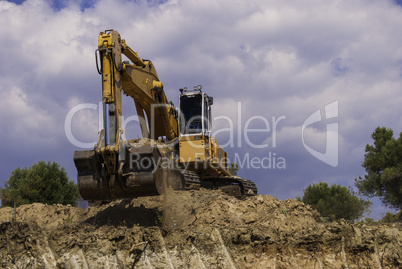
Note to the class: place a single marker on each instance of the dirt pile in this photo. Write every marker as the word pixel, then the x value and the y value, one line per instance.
pixel 191 229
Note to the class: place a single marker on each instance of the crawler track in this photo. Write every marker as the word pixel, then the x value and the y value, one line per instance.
pixel 246 187
pixel 191 180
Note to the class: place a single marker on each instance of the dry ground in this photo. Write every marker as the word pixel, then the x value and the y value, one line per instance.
pixel 191 229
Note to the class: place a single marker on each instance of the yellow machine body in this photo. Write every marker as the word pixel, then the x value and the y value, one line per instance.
pixel 176 150
pixel 204 155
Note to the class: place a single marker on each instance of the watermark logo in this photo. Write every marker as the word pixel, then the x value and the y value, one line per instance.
pixel 68 124
pixel 330 156
pixel 237 131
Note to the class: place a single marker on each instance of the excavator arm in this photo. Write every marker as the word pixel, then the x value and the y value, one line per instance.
pixel 110 171
pixel 138 80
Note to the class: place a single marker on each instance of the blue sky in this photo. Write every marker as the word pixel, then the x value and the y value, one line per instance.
pixel 262 61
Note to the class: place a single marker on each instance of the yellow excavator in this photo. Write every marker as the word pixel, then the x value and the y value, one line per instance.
pixel 177 150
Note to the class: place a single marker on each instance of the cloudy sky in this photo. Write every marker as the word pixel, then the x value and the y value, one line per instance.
pixel 298 86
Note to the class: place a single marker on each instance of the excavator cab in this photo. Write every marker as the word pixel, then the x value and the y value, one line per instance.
pixel 195 113
pixel 198 150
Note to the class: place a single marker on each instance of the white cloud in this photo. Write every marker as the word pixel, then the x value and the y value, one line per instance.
pixel 24 124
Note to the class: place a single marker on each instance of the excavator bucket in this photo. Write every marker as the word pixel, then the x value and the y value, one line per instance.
pixel 95 184
pixel 140 174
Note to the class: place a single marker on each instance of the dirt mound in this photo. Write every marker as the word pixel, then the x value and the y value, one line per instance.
pixel 191 229
pixel 212 208
pixel 44 216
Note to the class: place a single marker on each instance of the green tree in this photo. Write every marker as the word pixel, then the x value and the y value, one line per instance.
pixel 45 183
pixel 234 168
pixel 369 220
pixel 366 220
pixel 335 202
pixel 383 164
pixel 389 217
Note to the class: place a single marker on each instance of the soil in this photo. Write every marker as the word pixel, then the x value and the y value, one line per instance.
pixel 191 229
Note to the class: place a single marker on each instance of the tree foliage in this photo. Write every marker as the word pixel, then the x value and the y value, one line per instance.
pixel 383 164
pixel 234 168
pixel 389 217
pixel 335 202
pixel 45 183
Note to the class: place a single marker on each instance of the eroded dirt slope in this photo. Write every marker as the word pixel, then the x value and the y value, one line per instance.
pixel 191 229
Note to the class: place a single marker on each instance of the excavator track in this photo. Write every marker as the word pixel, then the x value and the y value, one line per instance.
pixel 191 180
pixel 231 185
pixel 249 187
